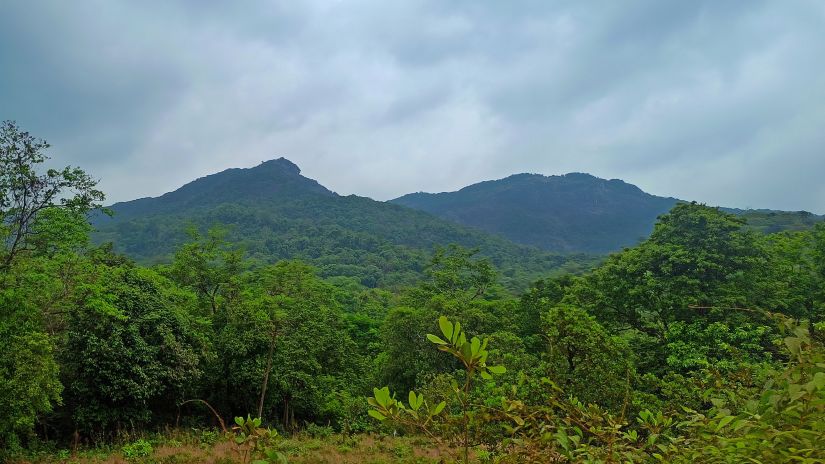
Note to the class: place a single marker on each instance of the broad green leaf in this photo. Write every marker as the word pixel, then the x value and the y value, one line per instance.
pixel 435 339
pixel 382 396
pixel 446 327
pixel 475 345
pixel 794 344
pixel 497 369
pixel 725 421
pixel 466 351
pixel 439 408
pixel 376 414
pixel 819 380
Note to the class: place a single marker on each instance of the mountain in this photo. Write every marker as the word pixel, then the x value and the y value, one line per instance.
pixel 278 178
pixel 573 212
pixel 570 213
pixel 275 213
pixel 770 221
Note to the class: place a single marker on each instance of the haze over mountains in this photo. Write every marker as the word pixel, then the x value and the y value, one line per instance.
pixel 275 212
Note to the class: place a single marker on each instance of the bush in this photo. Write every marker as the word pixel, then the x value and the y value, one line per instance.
pixel 318 431
pixel 138 449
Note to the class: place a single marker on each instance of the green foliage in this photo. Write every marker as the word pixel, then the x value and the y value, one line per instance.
pixel 454 273
pixel 250 440
pixel 665 352
pixel 207 265
pixel 472 353
pixel 290 319
pixel 698 258
pixel 418 413
pixel 26 194
pixel 574 212
pixel 137 449
pixel 554 213
pixel 29 385
pixel 130 348
pixel 785 423
pixel 585 360
pixel 274 213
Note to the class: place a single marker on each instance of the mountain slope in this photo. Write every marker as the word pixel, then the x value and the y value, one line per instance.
pixel 573 212
pixel 570 213
pixel 275 213
pixel 279 178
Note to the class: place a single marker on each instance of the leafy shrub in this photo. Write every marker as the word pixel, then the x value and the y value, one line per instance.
pixel 137 449
pixel 251 440
pixel 401 451
pixel 209 436
pixel 318 431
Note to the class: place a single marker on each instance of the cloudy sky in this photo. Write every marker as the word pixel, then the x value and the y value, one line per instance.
pixel 716 101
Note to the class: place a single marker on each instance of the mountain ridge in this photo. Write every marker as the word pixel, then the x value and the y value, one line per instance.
pixel 574 212
pixel 276 213
pixel 279 213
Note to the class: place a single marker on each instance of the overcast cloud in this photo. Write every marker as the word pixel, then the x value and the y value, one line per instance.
pixel 716 101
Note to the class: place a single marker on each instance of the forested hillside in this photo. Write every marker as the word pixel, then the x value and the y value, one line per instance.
pixel 702 344
pixel 571 213
pixel 272 212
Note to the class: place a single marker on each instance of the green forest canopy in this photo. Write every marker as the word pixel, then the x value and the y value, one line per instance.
pixel 679 332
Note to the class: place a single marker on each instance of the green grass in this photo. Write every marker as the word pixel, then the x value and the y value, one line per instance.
pixel 209 447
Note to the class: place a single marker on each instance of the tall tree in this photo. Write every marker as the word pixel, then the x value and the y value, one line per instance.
pixel 26 194
pixel 699 262
pixel 207 265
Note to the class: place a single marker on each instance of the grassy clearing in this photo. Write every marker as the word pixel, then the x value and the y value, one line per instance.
pixel 209 447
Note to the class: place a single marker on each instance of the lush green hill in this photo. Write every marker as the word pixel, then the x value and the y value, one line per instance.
pixel 274 213
pixel 571 213
pixel 769 221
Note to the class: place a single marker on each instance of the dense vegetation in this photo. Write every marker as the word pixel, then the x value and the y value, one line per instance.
pixel 273 213
pixel 702 344
pixel 572 213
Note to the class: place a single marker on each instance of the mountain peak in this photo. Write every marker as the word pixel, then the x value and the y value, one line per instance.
pixel 278 180
pixel 280 163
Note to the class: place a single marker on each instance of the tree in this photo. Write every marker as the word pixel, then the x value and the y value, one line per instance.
pixel 132 349
pixel 457 273
pixel 585 360
pixel 37 294
pixel 29 384
pixel 284 341
pixel 26 194
pixel 207 265
pixel 406 353
pixel 472 355
pixel 698 263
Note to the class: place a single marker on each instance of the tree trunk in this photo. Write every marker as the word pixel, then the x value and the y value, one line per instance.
pixel 266 376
